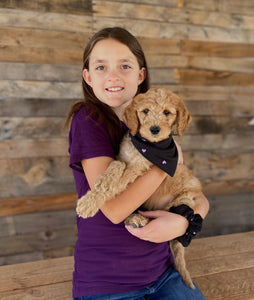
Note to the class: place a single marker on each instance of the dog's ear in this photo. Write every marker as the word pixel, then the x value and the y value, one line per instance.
pixel 130 117
pixel 183 117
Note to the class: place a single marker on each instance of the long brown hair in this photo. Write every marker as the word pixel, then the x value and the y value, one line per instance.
pixel 102 111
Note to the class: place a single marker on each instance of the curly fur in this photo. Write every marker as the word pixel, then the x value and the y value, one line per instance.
pixel 162 108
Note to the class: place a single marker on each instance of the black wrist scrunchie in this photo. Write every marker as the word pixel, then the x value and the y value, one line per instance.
pixel 195 223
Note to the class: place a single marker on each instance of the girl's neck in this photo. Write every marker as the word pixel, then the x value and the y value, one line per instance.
pixel 120 110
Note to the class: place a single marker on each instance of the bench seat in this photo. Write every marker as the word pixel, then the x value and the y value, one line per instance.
pixel 221 266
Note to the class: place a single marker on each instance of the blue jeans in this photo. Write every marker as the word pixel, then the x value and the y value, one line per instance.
pixel 169 287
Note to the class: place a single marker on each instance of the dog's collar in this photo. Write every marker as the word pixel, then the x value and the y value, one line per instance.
pixel 163 154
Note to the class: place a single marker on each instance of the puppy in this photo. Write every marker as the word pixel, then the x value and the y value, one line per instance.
pixel 153 116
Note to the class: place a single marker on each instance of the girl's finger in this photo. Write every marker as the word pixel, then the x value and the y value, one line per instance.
pixel 152 213
pixel 138 232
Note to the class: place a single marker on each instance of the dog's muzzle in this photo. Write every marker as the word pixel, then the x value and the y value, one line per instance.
pixel 155 129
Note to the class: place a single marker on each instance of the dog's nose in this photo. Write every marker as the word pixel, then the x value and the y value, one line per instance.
pixel 155 129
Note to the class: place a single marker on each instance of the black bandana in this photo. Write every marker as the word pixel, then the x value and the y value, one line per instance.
pixel 163 154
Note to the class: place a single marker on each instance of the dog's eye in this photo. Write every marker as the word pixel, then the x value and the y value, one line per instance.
pixel 166 112
pixel 145 111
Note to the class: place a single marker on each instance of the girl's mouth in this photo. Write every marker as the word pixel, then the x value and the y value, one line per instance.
pixel 114 89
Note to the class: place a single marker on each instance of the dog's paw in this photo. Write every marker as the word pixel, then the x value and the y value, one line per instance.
pixel 86 207
pixel 136 220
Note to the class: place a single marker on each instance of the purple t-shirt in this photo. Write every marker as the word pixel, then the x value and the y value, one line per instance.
pixel 108 259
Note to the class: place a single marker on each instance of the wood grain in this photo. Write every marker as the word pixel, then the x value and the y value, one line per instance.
pixel 144 28
pixel 42 20
pixel 169 3
pixel 24 205
pixel 163 13
pixel 35 107
pixel 189 76
pixel 36 183
pixel 40 89
pixel 60 267
pixel 202 50
pixel 30 37
pixel 62 6
pixel 160 46
pixel 230 187
pixel 39 241
pixel 219 166
pixel 34 148
pixel 218 266
pixel 245 7
pixel 59 146
pixel 229 142
pixel 208 247
pixel 223 122
pixel 224 210
pixel 56 291
pixel 217 49
pixel 41 55
pixel 39 72
pixel 23 257
pixel 233 285
pixel 22 128
pixel 245 65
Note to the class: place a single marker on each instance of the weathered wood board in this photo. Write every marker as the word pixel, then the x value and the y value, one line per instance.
pixel 202 50
pixel 221 266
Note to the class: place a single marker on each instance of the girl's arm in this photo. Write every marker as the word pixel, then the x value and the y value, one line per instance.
pixel 120 207
pixel 166 226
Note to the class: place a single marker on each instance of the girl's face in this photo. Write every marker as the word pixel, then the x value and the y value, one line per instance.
pixel 114 73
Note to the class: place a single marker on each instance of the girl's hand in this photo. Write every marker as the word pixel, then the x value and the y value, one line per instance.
pixel 165 226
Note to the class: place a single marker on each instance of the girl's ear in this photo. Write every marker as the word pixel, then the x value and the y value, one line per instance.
pixel 130 118
pixel 142 75
pixel 87 77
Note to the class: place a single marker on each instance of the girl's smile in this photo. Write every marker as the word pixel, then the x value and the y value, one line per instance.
pixel 114 73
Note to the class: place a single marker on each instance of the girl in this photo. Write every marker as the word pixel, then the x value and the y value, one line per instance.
pixel 113 261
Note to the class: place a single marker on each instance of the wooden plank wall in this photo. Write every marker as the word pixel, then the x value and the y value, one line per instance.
pixel 203 50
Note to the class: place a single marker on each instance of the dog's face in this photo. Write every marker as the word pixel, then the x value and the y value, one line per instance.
pixel 155 113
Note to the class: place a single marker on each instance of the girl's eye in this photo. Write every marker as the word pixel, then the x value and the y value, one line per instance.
pixel 125 67
pixel 145 111
pixel 166 112
pixel 100 68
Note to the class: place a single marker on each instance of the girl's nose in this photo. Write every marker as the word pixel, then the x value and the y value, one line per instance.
pixel 113 75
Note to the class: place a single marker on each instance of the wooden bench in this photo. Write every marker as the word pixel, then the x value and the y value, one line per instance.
pixel 222 267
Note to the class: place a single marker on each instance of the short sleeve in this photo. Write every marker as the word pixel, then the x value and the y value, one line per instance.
pixel 87 139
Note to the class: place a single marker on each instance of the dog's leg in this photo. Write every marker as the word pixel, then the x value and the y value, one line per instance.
pixel 187 198
pixel 108 185
pixel 188 193
pixel 180 265
pixel 190 198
